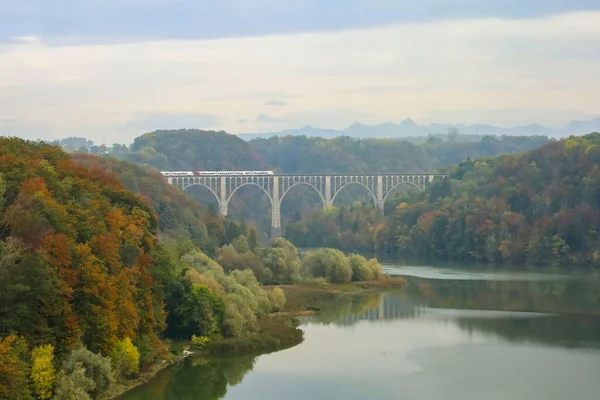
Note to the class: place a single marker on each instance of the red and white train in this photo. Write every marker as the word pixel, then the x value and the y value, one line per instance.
pixel 216 173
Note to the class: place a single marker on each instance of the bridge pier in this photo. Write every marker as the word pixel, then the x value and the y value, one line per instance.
pixel 275 211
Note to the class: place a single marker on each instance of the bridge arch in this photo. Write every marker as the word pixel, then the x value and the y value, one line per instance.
pixel 218 200
pixel 247 183
pixel 354 183
pixel 391 189
pixel 323 201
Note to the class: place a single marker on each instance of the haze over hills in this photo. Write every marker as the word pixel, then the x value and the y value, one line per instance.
pixel 408 128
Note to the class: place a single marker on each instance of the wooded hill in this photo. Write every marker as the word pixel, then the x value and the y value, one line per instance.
pixel 207 150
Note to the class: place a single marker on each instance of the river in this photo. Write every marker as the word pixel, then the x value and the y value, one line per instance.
pixel 453 333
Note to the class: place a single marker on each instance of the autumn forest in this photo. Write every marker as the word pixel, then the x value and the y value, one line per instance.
pixel 103 265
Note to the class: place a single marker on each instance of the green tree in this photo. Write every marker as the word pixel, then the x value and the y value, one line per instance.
pixel 96 369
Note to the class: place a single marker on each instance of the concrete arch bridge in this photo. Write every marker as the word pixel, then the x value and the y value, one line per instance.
pixel 327 186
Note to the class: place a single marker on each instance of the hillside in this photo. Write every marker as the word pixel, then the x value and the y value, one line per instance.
pixel 89 288
pixel 538 207
pixel 197 150
pixel 181 218
pixel 192 149
pixel 75 249
pixel 301 154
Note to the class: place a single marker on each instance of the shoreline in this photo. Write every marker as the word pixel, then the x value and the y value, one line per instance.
pixel 277 331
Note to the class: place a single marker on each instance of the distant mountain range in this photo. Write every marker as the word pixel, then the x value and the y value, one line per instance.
pixel 408 128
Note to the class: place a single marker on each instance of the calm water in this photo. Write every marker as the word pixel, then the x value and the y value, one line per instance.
pixel 452 334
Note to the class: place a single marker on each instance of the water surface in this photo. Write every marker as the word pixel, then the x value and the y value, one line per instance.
pixel 451 334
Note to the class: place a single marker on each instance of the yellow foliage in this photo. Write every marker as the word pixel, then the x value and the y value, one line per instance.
pixel 125 358
pixel 42 371
pixel 401 206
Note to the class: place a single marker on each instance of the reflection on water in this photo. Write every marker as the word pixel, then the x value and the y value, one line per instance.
pixel 455 334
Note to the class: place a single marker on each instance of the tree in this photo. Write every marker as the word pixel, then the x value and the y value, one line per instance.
pixel 125 358
pixel 96 369
pixel 74 386
pixel 330 264
pixel 199 312
pixel 240 244
pixel 14 368
pixel 277 297
pixel 43 373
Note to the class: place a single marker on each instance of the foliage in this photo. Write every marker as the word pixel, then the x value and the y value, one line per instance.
pixel 199 312
pixel 192 149
pixel 199 342
pixel 539 207
pixel 84 371
pixel 301 154
pixel 125 358
pixel 14 368
pixel 65 270
pixel 242 296
pixel 42 371
pixel 330 264
pixel 182 220
pixel 277 297
pixel 346 228
pixel 75 385
pixel 363 269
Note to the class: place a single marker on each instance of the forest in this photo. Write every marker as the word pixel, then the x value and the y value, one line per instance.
pixel 207 150
pixel 508 200
pixel 96 279
pixel 538 207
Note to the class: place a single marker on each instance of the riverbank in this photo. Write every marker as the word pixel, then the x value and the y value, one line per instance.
pixel 276 332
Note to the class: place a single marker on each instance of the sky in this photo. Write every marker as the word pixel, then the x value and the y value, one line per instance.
pixel 111 70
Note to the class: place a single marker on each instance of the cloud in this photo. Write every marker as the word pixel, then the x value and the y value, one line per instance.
pixel 264 118
pixel 457 70
pixel 110 21
pixel 278 103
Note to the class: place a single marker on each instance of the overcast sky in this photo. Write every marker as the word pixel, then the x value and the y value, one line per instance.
pixel 114 69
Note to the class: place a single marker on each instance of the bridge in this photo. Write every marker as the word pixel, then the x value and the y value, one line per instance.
pixel 276 187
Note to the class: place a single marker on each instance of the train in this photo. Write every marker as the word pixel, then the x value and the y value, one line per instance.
pixel 216 173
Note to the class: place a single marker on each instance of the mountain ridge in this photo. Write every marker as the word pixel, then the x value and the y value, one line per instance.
pixel 409 128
